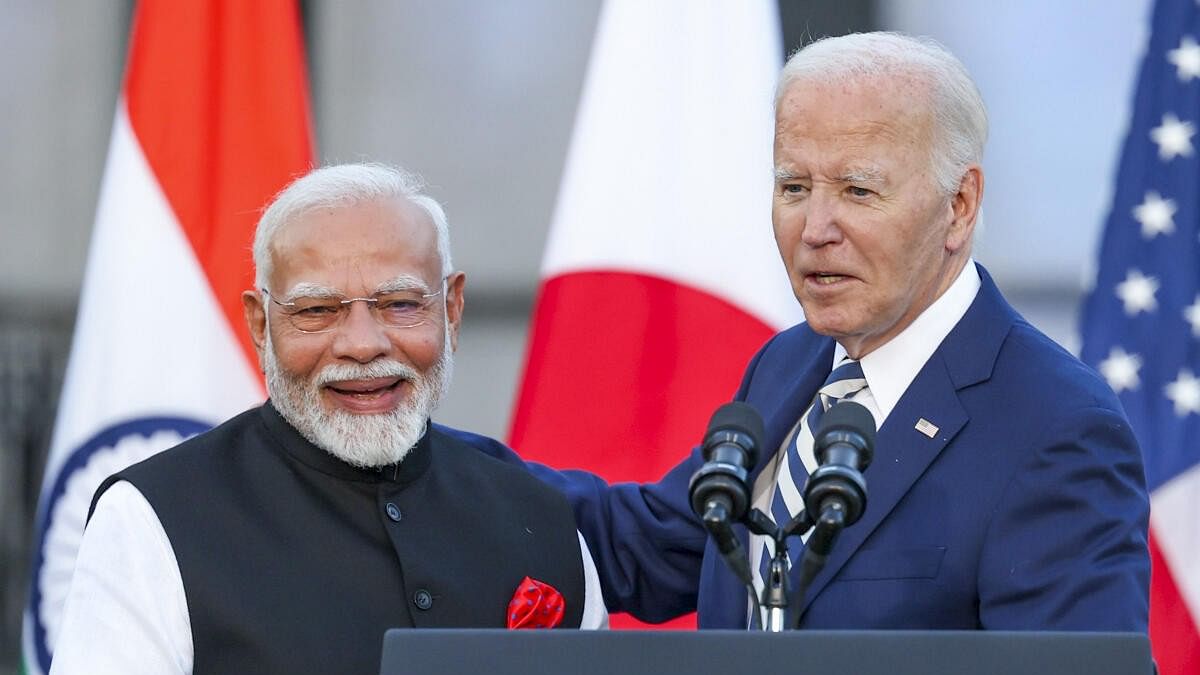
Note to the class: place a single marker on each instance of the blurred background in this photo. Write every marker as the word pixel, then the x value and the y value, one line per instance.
pixel 480 98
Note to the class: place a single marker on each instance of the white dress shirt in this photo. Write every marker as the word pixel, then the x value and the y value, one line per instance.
pixel 892 366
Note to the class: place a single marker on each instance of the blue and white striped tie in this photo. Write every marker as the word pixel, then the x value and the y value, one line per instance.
pixel 846 381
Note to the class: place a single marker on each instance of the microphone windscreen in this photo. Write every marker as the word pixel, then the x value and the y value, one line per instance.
pixel 848 416
pixel 738 416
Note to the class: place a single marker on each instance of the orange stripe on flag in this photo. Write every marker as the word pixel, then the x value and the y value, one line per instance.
pixel 218 98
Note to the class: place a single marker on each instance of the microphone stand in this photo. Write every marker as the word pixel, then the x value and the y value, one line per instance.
pixel 816 553
pixel 775 596
pixel 836 490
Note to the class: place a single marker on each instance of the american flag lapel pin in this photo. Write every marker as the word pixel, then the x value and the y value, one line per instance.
pixel 926 427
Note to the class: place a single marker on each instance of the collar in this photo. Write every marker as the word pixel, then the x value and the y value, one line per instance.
pixel 891 368
pixel 412 467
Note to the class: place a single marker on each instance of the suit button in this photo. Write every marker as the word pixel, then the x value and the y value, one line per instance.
pixel 422 599
pixel 393 512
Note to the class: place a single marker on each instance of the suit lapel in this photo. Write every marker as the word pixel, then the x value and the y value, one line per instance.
pixel 780 397
pixel 781 411
pixel 902 453
pixel 781 408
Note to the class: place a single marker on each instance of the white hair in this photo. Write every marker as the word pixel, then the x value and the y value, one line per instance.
pixel 960 124
pixel 342 185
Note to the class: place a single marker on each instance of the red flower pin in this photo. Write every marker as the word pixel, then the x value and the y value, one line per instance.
pixel 535 605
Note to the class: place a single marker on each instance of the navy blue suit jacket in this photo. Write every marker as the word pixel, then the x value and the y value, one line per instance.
pixel 1026 511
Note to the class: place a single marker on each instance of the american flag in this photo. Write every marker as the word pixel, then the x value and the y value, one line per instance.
pixel 1141 321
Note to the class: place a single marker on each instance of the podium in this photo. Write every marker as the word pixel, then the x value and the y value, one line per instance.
pixel 718 652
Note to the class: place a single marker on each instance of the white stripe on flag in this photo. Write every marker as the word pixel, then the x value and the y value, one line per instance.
pixel 150 336
pixel 150 343
pixel 1175 519
pixel 668 173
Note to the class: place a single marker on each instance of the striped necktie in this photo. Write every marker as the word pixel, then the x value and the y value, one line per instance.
pixel 846 381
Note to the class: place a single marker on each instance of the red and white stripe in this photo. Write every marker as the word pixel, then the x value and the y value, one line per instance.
pixel 1175 574
pixel 661 276
pixel 212 121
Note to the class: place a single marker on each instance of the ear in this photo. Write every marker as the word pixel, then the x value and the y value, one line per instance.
pixel 455 283
pixel 256 320
pixel 964 207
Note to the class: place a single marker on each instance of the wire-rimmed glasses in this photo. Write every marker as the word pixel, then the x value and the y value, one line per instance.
pixel 325 312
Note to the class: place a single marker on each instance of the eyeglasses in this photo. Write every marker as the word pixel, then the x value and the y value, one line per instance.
pixel 394 309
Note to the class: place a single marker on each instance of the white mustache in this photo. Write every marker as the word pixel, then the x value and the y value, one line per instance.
pixel 340 372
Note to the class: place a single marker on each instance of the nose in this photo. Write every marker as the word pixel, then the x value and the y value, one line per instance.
pixel 360 337
pixel 820 220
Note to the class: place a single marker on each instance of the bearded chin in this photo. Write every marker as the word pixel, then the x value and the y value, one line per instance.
pixel 362 440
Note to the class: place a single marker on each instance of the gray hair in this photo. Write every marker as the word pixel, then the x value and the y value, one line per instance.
pixel 342 185
pixel 960 124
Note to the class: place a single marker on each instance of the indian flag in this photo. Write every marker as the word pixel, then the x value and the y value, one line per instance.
pixel 211 122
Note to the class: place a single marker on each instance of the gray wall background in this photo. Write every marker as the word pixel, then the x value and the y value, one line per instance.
pixel 479 97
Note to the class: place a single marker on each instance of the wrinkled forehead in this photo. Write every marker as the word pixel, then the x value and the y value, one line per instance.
pixel 356 247
pixel 894 96
pixel 860 114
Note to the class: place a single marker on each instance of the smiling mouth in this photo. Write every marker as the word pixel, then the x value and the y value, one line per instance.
pixel 367 389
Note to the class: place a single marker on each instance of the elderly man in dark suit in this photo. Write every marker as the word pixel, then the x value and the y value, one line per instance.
pixel 1006 492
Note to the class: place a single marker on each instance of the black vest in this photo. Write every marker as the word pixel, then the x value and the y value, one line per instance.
pixel 295 562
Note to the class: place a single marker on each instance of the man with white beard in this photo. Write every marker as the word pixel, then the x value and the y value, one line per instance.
pixel 289 538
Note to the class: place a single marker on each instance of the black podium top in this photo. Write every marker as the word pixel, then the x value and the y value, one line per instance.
pixel 500 652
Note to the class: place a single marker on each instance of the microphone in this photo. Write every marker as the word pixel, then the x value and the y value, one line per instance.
pixel 844 444
pixel 836 493
pixel 718 490
pixel 730 448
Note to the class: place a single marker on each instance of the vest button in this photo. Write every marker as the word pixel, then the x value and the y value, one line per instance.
pixel 422 599
pixel 393 512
